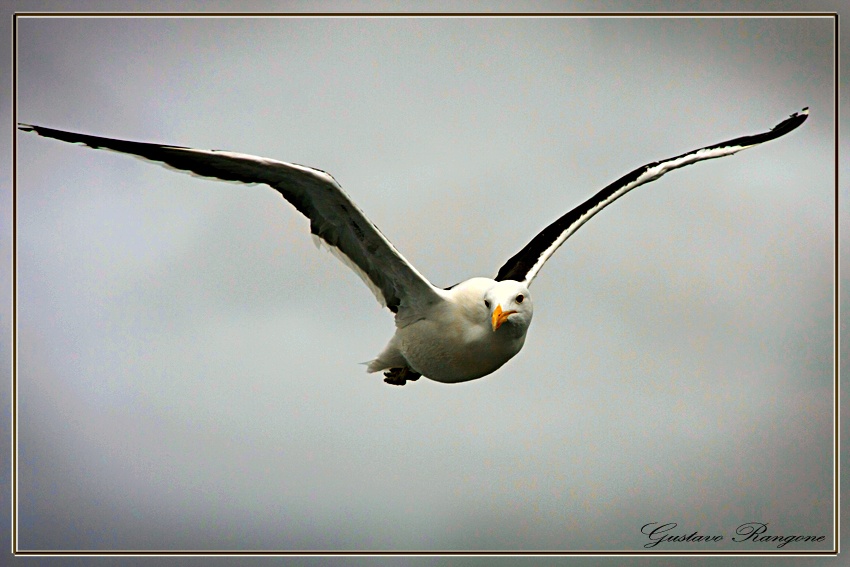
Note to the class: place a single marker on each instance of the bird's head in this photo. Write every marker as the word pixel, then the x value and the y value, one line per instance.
pixel 509 306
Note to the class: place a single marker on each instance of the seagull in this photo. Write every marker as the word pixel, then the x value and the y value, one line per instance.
pixel 450 335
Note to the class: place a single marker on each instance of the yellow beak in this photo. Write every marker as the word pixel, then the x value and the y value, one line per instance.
pixel 500 316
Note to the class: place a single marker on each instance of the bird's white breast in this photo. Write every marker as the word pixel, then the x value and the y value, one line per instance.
pixel 455 343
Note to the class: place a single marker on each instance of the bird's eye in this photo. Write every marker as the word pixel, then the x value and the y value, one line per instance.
pixel 519 298
pixel 487 303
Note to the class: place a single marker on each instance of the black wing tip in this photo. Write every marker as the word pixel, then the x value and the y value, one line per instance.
pixel 94 142
pixel 41 130
pixel 791 122
pixel 802 115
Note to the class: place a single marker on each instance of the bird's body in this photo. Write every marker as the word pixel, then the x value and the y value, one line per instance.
pixel 454 341
pixel 448 335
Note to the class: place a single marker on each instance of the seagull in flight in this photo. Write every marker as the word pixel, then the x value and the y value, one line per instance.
pixel 448 335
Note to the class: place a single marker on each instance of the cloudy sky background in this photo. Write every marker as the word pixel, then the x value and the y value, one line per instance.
pixel 188 371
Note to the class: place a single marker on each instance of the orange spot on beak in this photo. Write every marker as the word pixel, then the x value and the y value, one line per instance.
pixel 500 316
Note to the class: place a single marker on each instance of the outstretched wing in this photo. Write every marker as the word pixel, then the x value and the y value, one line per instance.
pixel 334 218
pixel 525 264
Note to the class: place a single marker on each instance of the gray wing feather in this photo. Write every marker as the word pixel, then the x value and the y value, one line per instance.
pixel 525 264
pixel 334 218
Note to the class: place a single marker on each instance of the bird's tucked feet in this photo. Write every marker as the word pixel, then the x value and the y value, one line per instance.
pixel 400 376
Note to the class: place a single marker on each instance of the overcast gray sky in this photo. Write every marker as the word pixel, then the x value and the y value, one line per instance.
pixel 188 361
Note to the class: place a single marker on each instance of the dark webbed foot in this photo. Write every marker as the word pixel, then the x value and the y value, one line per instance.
pixel 400 376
